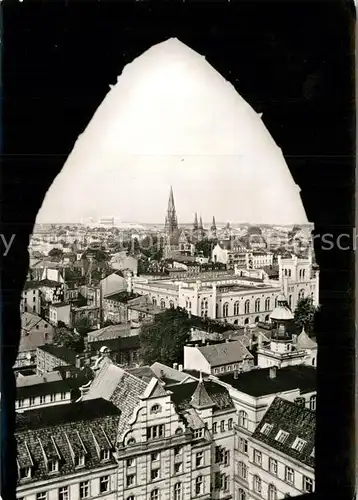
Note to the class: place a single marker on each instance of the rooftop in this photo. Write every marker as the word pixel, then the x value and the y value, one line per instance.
pixel 59 304
pixel 258 383
pixel 122 297
pixel 53 416
pixel 297 421
pixel 61 432
pixel 219 396
pixel 224 353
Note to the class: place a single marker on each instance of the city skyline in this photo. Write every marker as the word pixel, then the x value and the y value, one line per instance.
pixel 184 126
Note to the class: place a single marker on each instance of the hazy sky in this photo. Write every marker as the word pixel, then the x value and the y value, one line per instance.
pixel 171 119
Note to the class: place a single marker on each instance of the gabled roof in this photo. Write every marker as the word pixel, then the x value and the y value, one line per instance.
pixel 227 352
pixel 297 421
pixel 169 375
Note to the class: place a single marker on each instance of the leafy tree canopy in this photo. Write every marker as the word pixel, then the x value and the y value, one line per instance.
pixel 204 247
pixel 304 314
pixel 66 338
pixel 83 326
pixel 55 253
pixel 163 340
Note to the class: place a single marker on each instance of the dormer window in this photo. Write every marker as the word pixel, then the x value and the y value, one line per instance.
pixel 131 441
pixel 281 436
pixel 24 472
pixel 266 429
pixel 298 444
pixel 80 460
pixel 53 466
pixel 105 455
pixel 198 433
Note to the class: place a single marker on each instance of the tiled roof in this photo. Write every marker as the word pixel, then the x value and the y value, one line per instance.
pixel 122 297
pixel 60 352
pixel 145 373
pixel 182 394
pixel 110 331
pixel 200 397
pixel 60 431
pixel 297 421
pixel 227 352
pixel 30 320
pixel 258 382
pixel 168 374
pixel 30 285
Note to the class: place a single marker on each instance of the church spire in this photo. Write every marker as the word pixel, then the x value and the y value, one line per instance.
pixel 214 223
pixel 171 221
pixel 201 223
pixel 213 228
pixel 195 225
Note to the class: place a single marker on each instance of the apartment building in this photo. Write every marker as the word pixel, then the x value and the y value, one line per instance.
pixel 67 452
pixel 280 454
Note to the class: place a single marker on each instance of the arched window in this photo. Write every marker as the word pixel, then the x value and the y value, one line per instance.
pixel 276 301
pixel 267 318
pixel 257 484
pixel 290 300
pixel 303 273
pixel 241 494
pixel 171 304
pixel 188 304
pixel 162 304
pixel 285 272
pixel 267 304
pixel 301 294
pixel 243 420
pixel 246 322
pixel 155 409
pixel 312 295
pixel 289 273
pixel 257 305
pixel 242 470
pixel 154 300
pixel 226 310
pixel 154 494
pixel 177 491
pixel 257 319
pixel 179 431
pixel 272 492
pixel 313 402
pixel 236 308
pixel 217 310
pixel 131 440
pixel 247 307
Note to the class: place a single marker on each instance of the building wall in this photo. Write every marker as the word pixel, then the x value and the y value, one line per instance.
pixel 63 314
pixel 194 360
pixel 29 491
pixel 30 301
pixel 46 362
pixel 263 472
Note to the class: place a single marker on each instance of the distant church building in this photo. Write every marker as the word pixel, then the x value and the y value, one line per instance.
pixel 198 233
pixel 176 241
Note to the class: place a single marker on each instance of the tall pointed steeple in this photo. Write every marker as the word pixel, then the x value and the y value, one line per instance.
pixel 201 223
pixel 213 228
pixel 171 221
pixel 195 225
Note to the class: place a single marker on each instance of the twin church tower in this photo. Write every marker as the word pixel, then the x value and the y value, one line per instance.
pixel 171 219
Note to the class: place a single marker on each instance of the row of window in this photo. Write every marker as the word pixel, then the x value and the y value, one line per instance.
pixel 222 424
pixel 228 368
pixel 41 400
pixel 158 432
pixel 257 306
pixel 243 471
pixel 84 490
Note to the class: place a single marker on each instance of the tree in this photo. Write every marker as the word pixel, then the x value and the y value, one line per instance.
pixel 55 253
pixel 65 338
pixel 164 339
pixel 204 246
pixel 83 326
pixel 304 314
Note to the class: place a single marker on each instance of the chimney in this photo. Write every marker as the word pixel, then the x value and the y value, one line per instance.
pixel 180 368
pixel 273 372
pixel 236 374
pixel 78 361
pixel 175 366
